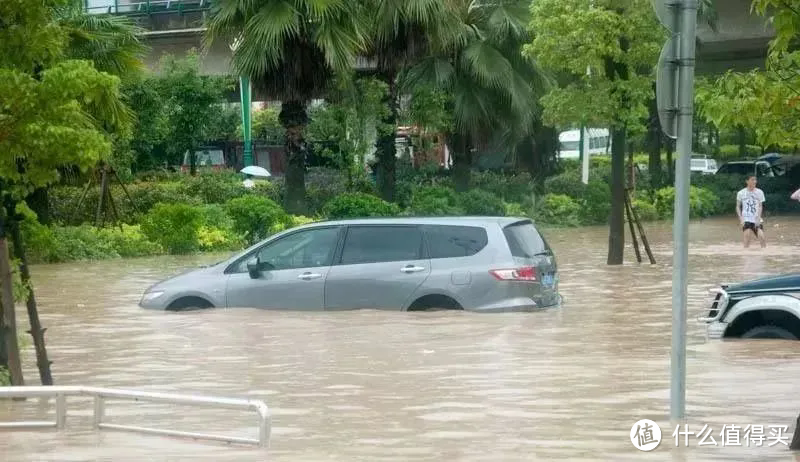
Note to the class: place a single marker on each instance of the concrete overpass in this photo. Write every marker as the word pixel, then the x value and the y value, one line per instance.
pixel 175 26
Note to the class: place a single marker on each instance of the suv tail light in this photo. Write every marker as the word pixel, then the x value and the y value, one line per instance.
pixel 521 274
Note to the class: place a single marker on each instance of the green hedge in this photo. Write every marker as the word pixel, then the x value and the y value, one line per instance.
pixel 358 205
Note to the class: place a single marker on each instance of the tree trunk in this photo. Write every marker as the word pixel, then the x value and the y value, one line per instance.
pixel 192 162
pixel 39 202
pixel 8 317
pixel 385 147
pixel 654 145
pixel 294 119
pixel 616 235
pixel 37 332
pixel 462 161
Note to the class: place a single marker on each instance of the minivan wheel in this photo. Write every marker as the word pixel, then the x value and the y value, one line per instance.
pixel 769 331
pixel 434 303
pixel 189 304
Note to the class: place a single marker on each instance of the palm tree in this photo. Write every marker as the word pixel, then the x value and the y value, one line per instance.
pixel 291 50
pixel 401 32
pixel 111 42
pixel 494 87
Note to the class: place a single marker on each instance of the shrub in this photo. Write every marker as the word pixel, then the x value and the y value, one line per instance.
pixel 357 205
pixel 511 188
pixel 322 184
pixel 215 216
pixel 596 203
pixel 435 201
pixel 273 189
pixel 558 210
pixel 213 188
pixel 645 210
pixel 514 209
pixel 702 202
pixel 130 241
pixel 211 238
pixel 174 226
pixel 479 202
pixel 567 184
pixel 255 217
pixel 143 197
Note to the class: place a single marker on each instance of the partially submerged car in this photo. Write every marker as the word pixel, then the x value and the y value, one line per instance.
pixel 763 308
pixel 486 264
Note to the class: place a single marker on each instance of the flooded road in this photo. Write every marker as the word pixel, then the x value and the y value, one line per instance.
pixel 563 384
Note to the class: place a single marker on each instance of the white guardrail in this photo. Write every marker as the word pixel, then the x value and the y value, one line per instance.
pixel 100 395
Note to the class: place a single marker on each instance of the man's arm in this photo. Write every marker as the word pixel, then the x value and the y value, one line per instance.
pixel 739 209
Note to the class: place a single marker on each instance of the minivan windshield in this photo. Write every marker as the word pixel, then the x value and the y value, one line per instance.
pixel 524 240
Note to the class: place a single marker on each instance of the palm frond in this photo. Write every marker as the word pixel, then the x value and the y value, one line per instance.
pixel 708 14
pixel 112 43
pixel 487 64
pixel 290 48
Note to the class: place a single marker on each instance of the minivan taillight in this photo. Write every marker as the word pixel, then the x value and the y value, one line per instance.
pixel 522 274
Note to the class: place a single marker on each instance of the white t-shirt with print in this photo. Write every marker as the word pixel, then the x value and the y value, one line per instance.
pixel 750 201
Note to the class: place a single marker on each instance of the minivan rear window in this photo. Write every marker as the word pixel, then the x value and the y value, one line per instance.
pixel 524 240
pixel 446 241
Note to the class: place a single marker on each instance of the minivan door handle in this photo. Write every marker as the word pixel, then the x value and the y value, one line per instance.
pixel 309 276
pixel 412 269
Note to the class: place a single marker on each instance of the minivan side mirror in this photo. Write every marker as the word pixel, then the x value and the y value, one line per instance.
pixel 254 269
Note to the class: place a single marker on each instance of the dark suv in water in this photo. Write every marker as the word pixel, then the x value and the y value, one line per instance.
pixel 764 308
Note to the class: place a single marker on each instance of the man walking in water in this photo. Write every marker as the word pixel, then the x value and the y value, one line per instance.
pixel 749 206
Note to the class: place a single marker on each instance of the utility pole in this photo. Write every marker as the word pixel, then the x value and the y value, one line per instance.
pixel 675 96
pixel 247 107
pixel 247 110
pixel 584 140
pixel 584 155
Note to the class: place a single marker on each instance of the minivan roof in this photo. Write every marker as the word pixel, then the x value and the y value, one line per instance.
pixel 460 220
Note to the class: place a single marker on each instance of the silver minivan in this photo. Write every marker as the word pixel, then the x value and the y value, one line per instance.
pixel 472 263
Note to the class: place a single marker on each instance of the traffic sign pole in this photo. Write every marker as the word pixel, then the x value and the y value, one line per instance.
pixel 688 30
pixel 675 97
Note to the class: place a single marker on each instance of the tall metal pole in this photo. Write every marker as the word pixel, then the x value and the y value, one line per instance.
pixel 584 154
pixel 687 33
pixel 585 142
pixel 244 93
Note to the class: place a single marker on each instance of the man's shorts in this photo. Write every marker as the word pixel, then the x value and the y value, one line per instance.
pixel 748 225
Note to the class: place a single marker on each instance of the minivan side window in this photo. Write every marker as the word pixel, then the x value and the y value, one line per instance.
pixel 524 240
pixel 309 248
pixel 445 241
pixel 375 244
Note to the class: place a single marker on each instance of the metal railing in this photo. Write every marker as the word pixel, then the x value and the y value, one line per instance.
pixel 100 395
pixel 134 7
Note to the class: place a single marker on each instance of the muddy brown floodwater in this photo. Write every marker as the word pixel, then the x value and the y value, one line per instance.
pixel 563 384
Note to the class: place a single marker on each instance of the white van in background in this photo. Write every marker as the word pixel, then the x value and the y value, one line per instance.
pixel 569 143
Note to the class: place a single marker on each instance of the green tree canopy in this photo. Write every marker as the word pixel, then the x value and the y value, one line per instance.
pixel 191 104
pixel 764 101
pixel 586 40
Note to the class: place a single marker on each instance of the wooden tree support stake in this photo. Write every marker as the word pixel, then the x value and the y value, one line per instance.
pixel 628 209
pixel 633 217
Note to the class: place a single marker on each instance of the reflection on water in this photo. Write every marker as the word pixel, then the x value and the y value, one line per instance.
pixel 386 386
